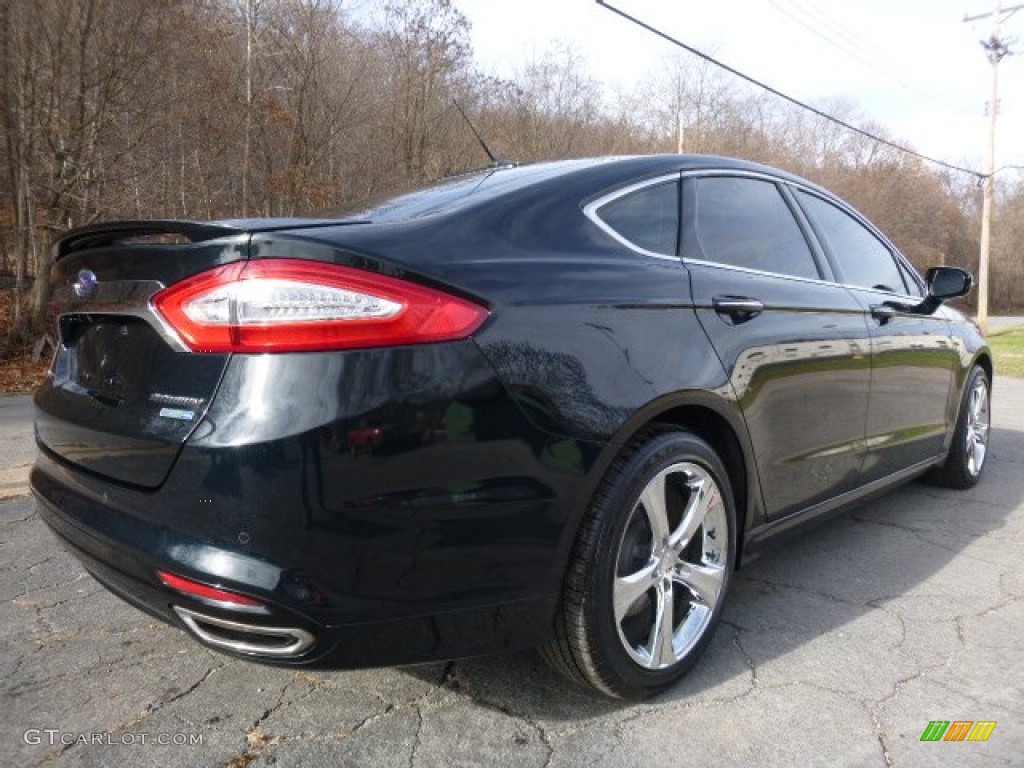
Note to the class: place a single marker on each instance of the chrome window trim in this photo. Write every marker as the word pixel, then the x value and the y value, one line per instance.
pixel 734 172
pixel 591 208
pixel 705 263
pixel 590 211
pixel 749 270
pixel 907 296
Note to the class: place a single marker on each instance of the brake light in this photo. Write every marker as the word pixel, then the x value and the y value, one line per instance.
pixel 290 305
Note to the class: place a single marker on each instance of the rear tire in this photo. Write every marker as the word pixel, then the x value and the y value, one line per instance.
pixel 650 571
pixel 969 449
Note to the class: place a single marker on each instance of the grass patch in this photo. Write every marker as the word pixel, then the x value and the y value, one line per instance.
pixel 1008 349
pixel 1004 331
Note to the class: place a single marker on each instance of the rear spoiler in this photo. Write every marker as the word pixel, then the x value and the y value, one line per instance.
pixel 115 232
pixel 165 231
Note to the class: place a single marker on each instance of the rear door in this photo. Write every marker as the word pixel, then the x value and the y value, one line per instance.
pixel 913 356
pixel 794 343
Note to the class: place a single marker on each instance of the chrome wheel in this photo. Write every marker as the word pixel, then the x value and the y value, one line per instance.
pixel 977 426
pixel 670 566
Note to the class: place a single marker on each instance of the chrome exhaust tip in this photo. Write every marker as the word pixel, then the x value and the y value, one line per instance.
pixel 250 639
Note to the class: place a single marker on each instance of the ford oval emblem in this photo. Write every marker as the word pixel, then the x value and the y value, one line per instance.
pixel 86 284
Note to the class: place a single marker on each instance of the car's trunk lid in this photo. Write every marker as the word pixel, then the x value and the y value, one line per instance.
pixel 122 396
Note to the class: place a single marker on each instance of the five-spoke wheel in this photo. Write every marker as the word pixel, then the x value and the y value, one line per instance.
pixel 648 578
pixel 977 425
pixel 970 445
pixel 670 567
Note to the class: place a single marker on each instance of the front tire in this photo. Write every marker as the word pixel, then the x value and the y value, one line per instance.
pixel 650 571
pixel 969 449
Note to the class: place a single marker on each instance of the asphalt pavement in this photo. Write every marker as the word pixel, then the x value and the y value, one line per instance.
pixel 837 650
pixel 1000 322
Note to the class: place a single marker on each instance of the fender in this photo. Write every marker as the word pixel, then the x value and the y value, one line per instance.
pixel 683 408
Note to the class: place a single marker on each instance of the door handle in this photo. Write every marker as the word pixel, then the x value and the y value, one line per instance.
pixel 739 308
pixel 883 313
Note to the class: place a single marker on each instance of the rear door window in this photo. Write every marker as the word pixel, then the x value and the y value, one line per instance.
pixel 747 223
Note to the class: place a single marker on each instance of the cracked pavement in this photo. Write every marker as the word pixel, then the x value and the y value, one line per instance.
pixel 836 649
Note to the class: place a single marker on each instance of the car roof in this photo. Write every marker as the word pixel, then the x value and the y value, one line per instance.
pixel 454 230
pixel 588 174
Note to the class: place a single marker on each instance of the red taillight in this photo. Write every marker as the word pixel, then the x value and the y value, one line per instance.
pixel 290 305
pixel 195 589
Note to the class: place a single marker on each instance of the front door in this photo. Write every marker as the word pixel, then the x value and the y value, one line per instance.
pixel 912 354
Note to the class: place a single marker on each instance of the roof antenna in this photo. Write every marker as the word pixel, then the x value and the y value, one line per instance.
pixel 496 162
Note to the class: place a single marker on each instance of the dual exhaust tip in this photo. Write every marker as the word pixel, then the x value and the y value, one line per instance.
pixel 248 639
pixel 241 637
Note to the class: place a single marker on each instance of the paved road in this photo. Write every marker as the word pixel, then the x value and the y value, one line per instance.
pixel 836 650
pixel 998 323
pixel 16 446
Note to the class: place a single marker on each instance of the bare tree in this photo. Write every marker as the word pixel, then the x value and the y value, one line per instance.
pixel 220 108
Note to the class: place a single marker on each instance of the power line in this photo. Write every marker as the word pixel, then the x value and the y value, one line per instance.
pixel 781 95
pixel 853 38
pixel 820 25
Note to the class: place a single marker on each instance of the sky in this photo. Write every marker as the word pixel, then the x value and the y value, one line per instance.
pixel 912 66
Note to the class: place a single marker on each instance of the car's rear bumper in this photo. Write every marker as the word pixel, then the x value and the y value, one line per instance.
pixel 433 529
pixel 124 554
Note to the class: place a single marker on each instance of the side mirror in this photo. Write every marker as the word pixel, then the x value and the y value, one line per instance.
pixel 944 283
pixel 948 283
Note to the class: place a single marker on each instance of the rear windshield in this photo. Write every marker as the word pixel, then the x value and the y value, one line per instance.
pixel 448 193
pixel 421 202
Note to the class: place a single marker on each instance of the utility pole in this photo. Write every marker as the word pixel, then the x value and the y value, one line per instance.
pixel 248 108
pixel 996 49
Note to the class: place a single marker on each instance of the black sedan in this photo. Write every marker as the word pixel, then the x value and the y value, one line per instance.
pixel 555 405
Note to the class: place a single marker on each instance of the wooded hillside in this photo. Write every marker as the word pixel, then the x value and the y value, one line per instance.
pixel 228 108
